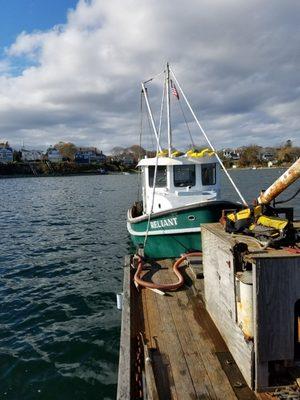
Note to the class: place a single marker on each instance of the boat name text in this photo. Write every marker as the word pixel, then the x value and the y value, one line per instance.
pixel 163 223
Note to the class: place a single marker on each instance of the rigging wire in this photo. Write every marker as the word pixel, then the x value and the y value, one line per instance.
pixel 140 144
pixel 208 141
pixel 156 165
pixel 187 124
pixel 155 76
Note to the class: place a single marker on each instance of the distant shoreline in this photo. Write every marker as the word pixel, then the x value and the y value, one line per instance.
pixel 254 169
pixel 39 169
pixel 48 175
pixel 65 175
pixel 131 172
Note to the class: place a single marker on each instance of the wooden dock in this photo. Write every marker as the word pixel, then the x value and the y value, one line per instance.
pixel 171 347
pixel 189 358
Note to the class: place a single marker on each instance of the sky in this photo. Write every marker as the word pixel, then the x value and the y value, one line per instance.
pixel 71 70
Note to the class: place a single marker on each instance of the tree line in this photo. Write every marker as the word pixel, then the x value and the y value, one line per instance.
pixel 253 155
pixel 247 156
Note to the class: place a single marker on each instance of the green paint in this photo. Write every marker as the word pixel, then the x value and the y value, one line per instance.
pixel 173 245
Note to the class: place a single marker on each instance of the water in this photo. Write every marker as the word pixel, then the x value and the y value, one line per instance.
pixel 250 182
pixel 62 245
pixel 63 240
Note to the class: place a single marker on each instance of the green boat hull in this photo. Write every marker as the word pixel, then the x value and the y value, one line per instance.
pixel 168 246
pixel 177 231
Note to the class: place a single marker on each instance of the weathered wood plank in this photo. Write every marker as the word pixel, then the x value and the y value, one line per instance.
pixel 279 289
pixel 183 381
pixel 201 382
pixel 179 307
pixel 124 375
pixel 206 349
pixel 236 379
pixel 152 393
pixel 219 276
pixel 205 369
pixel 161 363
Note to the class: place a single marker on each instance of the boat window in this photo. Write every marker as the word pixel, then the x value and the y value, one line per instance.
pixel 208 174
pixel 184 175
pixel 161 176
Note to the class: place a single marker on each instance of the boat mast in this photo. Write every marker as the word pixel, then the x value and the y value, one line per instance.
pixel 168 111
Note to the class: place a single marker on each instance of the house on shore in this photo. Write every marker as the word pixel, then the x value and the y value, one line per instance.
pixel 127 160
pixel 267 154
pixel 230 154
pixel 6 153
pixel 89 155
pixel 54 155
pixel 31 155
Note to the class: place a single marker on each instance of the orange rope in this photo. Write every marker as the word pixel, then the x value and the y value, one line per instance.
pixel 164 286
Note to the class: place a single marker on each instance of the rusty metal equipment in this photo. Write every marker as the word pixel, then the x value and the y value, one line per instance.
pixel 283 182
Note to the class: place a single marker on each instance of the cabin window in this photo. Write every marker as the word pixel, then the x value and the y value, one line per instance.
pixel 208 174
pixel 161 176
pixel 184 175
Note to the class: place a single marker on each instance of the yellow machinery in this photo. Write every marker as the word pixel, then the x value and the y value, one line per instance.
pixel 262 220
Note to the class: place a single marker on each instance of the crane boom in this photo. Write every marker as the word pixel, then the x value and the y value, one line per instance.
pixel 283 182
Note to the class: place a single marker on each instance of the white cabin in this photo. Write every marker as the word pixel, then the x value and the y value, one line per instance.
pixel 180 181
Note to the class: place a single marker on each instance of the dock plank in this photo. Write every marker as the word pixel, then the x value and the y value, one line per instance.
pixel 207 342
pixel 124 392
pixel 156 340
pixel 178 302
pixel 201 382
pixel 183 381
pixel 189 372
pixel 183 341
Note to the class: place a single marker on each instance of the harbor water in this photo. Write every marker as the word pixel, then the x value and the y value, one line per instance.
pixel 63 240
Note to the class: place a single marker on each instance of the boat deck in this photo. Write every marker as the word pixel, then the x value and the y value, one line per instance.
pixel 190 360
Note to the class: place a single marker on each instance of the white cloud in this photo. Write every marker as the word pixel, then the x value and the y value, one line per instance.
pixel 28 44
pixel 238 62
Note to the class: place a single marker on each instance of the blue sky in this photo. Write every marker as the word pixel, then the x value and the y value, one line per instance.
pixel 237 61
pixel 29 15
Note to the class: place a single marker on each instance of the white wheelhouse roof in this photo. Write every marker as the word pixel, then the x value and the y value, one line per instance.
pixel 145 162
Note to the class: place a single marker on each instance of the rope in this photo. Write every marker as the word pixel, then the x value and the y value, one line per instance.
pixel 187 125
pixel 285 201
pixel 155 76
pixel 208 141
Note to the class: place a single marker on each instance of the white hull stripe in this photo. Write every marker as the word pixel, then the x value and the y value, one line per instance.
pixel 162 231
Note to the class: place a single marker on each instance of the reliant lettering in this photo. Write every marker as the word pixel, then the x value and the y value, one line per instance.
pixel 162 223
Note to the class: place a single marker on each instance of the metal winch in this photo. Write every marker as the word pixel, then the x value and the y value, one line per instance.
pixel 271 225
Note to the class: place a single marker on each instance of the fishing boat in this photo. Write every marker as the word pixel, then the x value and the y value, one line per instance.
pixel 180 190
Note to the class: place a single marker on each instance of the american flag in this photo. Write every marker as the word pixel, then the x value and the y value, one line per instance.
pixel 174 90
